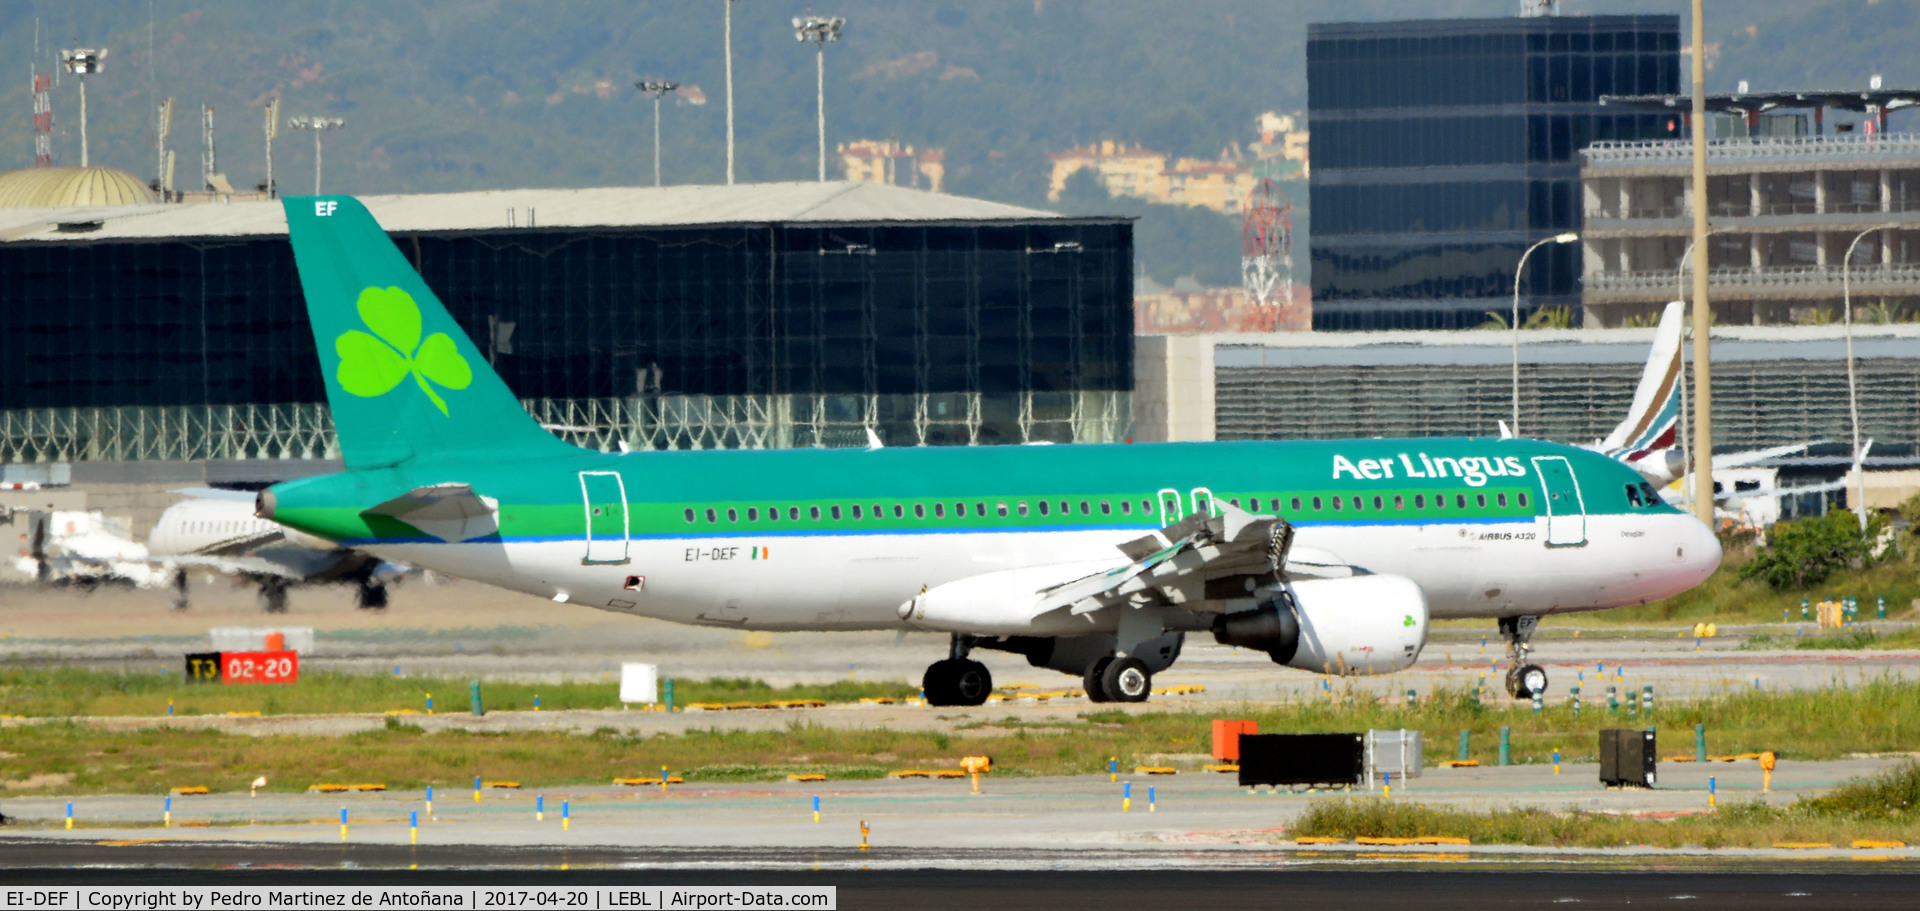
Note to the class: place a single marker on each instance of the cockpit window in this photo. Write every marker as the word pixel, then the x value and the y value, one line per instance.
pixel 1649 494
pixel 1633 496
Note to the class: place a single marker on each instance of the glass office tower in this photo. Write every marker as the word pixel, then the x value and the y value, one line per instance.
pixel 1441 149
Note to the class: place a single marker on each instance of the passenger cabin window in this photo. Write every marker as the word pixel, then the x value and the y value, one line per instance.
pixel 1126 507
pixel 689 514
pixel 1399 503
pixel 919 510
pixel 1357 504
pixel 1294 504
pixel 899 512
pixel 1023 507
pixel 856 512
pixel 1235 501
pixel 1378 505
pixel 1106 508
pixel 959 510
pixel 1043 507
pixel 1086 508
pixel 939 510
pixel 1460 501
pixel 1146 507
pixel 712 516
pixel 1001 508
pixel 753 515
pixel 1523 500
pixel 1316 503
pixel 1338 502
pixel 814 512
pixel 773 513
pixel 793 512
pixel 733 515
pixel 836 512
pixel 1500 500
pixel 1480 500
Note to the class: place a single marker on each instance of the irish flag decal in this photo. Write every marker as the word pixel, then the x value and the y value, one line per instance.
pixel 760 553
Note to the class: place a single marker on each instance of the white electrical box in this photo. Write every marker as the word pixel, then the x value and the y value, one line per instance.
pixel 640 683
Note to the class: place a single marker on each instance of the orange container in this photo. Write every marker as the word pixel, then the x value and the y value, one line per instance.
pixel 276 642
pixel 1226 737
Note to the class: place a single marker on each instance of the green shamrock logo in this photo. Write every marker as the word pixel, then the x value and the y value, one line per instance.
pixel 371 365
pixel 1408 621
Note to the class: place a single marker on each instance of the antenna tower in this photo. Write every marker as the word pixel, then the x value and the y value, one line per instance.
pixel 1266 254
pixel 42 120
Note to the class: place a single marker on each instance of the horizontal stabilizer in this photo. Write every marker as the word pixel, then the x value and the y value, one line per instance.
pixel 450 512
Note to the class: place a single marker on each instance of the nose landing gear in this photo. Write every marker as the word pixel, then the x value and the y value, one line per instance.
pixel 957 680
pixel 1524 678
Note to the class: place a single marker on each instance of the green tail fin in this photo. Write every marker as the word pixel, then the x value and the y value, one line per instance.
pixel 403 379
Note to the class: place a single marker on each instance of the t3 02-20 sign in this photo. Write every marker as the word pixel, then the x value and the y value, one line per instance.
pixel 244 667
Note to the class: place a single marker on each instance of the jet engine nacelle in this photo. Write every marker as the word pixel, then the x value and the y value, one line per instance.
pixel 1350 626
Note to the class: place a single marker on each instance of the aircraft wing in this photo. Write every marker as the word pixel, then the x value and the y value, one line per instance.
pixel 450 512
pixel 1743 459
pixel 1200 558
pixel 236 566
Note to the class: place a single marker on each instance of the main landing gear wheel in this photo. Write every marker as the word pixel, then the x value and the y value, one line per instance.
pixel 1126 680
pixel 1094 680
pixel 273 596
pixel 1526 680
pixel 957 681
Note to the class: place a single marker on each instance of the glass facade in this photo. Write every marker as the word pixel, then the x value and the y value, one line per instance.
pixel 1442 149
pixel 699 336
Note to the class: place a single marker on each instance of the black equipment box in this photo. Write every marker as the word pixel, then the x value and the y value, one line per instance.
pixel 1302 759
pixel 1627 758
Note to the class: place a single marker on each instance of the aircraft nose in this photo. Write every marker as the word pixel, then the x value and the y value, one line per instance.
pixel 1698 551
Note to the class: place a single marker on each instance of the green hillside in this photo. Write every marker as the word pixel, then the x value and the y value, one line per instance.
pixel 442 95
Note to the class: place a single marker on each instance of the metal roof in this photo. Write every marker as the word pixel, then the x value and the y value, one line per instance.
pixel 42 187
pixel 1470 347
pixel 1754 102
pixel 802 203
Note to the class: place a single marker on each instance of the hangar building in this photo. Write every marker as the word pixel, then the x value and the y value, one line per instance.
pixel 789 314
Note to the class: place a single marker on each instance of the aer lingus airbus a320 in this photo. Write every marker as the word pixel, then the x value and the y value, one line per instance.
pixel 1093 560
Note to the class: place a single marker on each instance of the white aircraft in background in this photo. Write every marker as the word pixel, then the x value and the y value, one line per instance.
pixel 213 530
pixel 216 530
pixel 81 547
pixel 1647 439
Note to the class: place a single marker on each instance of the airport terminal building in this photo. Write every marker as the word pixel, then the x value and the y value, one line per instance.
pixel 769 315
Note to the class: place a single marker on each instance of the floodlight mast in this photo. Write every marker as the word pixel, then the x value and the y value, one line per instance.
pixel 318 125
pixel 819 30
pixel 655 88
pixel 83 62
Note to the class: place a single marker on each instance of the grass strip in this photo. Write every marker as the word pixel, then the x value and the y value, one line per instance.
pixel 1880 808
pixel 65 692
pixel 1877 715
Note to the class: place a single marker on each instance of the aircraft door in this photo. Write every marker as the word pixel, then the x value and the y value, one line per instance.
pixel 1566 513
pixel 1202 501
pixel 1170 506
pixel 606 504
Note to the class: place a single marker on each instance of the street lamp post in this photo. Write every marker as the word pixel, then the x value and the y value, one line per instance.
pixel 1853 394
pixel 655 88
pixel 1566 238
pixel 819 30
pixel 318 125
pixel 729 44
pixel 83 62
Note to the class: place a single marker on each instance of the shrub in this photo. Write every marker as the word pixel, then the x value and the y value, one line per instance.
pixel 1802 553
